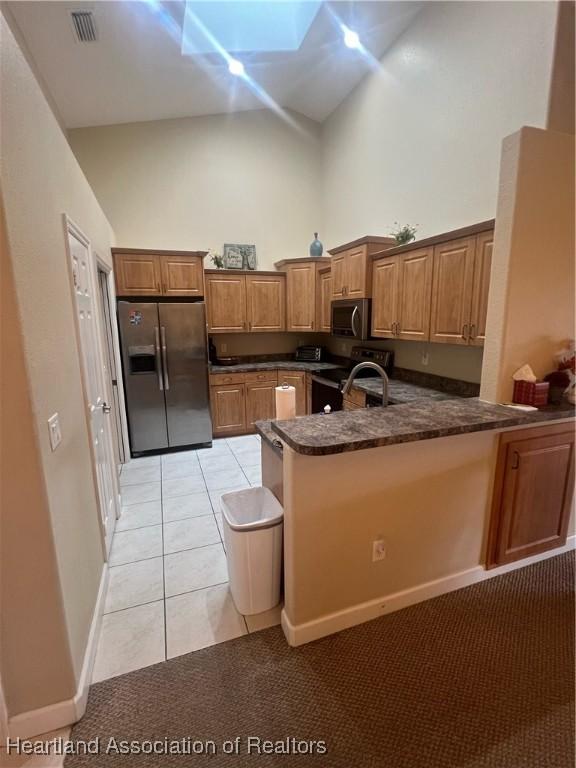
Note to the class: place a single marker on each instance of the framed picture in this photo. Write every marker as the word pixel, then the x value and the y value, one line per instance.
pixel 238 256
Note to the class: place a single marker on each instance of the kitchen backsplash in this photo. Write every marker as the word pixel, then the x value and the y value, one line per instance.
pixel 233 344
pixel 448 360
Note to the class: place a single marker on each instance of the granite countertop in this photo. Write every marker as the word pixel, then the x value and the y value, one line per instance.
pixel 271 365
pixel 422 419
pixel 264 429
pixel 401 391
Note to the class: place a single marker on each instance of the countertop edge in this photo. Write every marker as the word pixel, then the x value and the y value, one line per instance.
pixel 521 419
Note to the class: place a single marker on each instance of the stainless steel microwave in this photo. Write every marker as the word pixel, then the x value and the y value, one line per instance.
pixel 351 318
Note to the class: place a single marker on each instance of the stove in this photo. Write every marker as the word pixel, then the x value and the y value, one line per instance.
pixel 327 385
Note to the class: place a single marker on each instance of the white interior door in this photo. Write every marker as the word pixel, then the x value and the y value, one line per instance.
pixel 84 280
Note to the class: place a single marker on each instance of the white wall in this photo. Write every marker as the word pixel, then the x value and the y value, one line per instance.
pixel 419 141
pixel 41 180
pixel 531 303
pixel 196 183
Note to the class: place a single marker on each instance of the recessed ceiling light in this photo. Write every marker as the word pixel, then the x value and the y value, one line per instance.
pixel 236 67
pixel 351 39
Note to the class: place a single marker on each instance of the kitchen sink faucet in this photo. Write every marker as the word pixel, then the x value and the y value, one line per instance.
pixel 375 367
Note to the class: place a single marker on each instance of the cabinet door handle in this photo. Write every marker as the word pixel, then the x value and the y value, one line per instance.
pixel 465 331
pixel 397 329
pixel 515 460
pixel 472 332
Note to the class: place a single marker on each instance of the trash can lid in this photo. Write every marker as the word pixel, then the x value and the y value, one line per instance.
pixel 251 509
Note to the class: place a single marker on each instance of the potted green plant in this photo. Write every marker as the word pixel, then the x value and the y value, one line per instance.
pixel 403 234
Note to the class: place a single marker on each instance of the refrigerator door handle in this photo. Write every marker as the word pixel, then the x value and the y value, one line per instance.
pixel 158 361
pixel 164 358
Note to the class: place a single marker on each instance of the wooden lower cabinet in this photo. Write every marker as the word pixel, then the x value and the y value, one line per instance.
pixel 228 409
pixel 533 493
pixel 260 402
pixel 296 379
pixel 238 400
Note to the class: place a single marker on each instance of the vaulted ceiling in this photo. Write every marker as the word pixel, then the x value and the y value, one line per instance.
pixel 153 60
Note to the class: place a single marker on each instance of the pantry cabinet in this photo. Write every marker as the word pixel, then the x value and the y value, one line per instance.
pixel 533 493
pixel 239 302
pixel 351 268
pixel 158 273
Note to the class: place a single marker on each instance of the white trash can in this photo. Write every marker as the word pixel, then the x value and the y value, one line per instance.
pixel 252 521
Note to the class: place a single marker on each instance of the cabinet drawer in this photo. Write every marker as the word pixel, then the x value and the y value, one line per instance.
pixel 217 379
pixel 255 376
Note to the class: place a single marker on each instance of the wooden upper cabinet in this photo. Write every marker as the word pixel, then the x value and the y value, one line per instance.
pixel 452 282
pixel 162 273
pixel 351 268
pixel 482 268
pixel 137 274
pixel 415 295
pixel 357 282
pixel 338 270
pixel 182 275
pixel 226 303
pixel 532 493
pixel 301 296
pixel 385 284
pixel 324 301
pixel 266 302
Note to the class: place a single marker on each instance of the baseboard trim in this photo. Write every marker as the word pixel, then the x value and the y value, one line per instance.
pixel 299 634
pixel 69 711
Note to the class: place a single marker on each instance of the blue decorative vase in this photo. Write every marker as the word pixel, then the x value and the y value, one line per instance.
pixel 316 247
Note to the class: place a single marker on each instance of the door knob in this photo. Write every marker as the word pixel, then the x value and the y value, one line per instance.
pixel 106 408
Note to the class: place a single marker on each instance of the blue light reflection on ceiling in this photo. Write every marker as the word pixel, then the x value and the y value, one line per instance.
pixel 247 27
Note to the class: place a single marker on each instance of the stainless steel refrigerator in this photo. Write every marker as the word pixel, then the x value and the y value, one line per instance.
pixel 165 374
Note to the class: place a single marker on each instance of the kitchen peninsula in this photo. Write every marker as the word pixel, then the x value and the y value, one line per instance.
pixel 428 480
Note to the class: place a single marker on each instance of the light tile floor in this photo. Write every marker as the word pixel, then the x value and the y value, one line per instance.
pixel 167 588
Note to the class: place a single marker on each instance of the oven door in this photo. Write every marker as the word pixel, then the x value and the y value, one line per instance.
pixel 351 318
pixel 325 392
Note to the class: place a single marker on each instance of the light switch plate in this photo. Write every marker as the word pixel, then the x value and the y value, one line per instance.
pixel 54 431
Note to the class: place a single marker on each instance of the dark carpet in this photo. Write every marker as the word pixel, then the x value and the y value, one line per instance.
pixel 480 677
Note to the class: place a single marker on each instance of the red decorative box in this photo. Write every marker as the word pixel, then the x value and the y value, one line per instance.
pixel 531 392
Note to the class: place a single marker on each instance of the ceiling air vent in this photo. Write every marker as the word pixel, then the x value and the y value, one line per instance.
pixel 84 26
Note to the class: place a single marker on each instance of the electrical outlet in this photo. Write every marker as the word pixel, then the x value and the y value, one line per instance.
pixel 54 431
pixel 343 347
pixel 223 348
pixel 425 358
pixel 378 550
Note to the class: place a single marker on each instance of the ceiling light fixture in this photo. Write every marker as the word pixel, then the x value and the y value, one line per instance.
pixel 351 39
pixel 236 67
